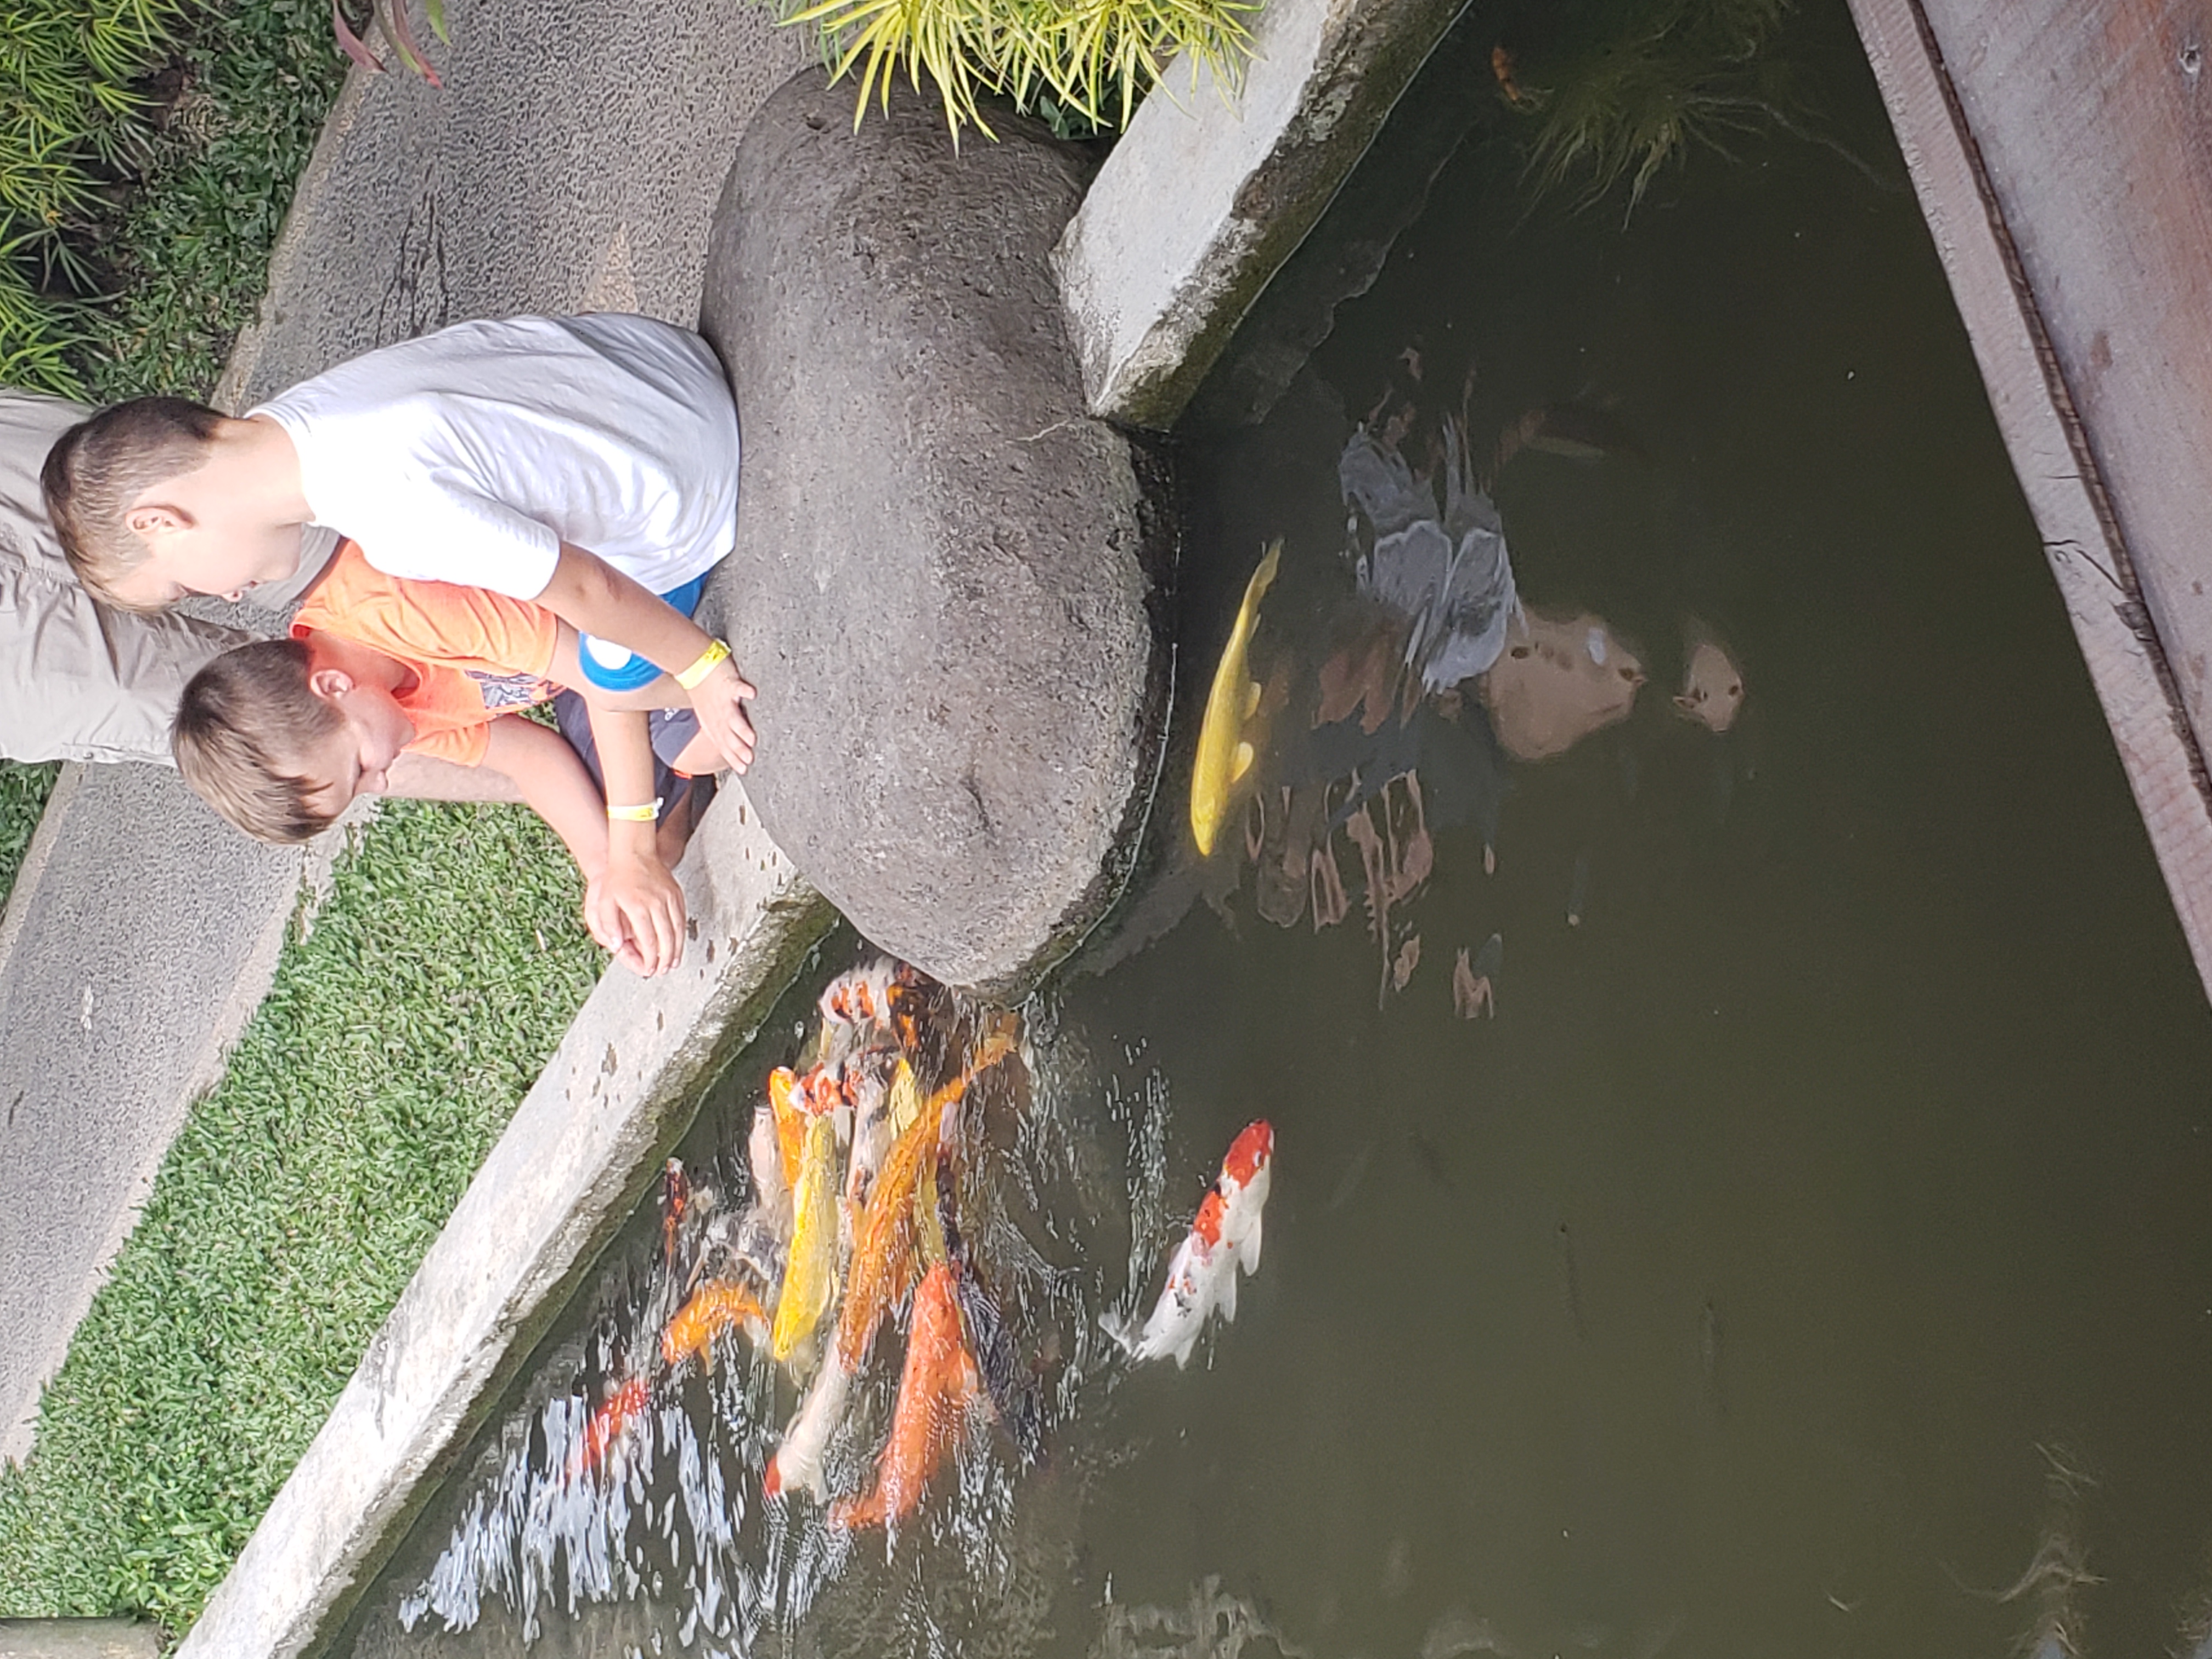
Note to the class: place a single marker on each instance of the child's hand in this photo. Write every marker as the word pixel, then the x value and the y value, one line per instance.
pixel 635 909
pixel 720 702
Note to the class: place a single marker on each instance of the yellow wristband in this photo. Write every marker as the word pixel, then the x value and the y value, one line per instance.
pixel 716 652
pixel 645 814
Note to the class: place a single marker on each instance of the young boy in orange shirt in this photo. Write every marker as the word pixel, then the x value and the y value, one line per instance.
pixel 281 735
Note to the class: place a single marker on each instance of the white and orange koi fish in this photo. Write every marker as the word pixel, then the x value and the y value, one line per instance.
pixel 865 996
pixel 796 1464
pixel 1224 1241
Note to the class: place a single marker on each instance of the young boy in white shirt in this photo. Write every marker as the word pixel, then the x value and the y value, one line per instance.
pixel 588 465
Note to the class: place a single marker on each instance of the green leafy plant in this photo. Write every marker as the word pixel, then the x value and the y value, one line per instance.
pixel 71 120
pixel 1085 62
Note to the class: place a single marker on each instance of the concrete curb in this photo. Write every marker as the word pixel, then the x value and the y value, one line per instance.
pixel 1217 186
pixel 582 1147
pixel 77 1639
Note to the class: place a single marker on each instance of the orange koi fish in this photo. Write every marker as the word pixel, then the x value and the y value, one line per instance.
pixel 785 1101
pixel 935 1391
pixel 714 1307
pixel 884 1244
pixel 609 1423
pixel 1501 67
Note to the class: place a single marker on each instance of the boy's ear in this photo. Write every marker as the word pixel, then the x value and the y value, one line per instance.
pixel 330 684
pixel 150 519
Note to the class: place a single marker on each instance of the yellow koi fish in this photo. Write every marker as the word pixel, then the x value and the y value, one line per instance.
pixel 809 1281
pixel 1224 756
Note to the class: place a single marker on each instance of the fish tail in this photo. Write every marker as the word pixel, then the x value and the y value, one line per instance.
pixel 1121 1328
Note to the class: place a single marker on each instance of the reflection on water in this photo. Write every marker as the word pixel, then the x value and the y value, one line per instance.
pixel 1740 1093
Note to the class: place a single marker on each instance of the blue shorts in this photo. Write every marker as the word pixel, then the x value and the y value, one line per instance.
pixel 618 668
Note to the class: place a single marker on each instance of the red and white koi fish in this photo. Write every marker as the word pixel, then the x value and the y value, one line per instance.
pixel 1223 1240
pixel 865 996
pixel 935 1392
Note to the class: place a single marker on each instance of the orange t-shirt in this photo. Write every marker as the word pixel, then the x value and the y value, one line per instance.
pixel 475 654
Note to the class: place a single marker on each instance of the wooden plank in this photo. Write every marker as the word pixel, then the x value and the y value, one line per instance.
pixel 2073 304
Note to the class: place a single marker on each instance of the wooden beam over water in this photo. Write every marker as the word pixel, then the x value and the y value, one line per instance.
pixel 2058 147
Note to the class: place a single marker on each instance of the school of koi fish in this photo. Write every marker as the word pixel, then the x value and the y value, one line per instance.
pixel 856 1168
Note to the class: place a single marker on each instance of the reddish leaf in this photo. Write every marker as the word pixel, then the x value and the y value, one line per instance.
pixel 411 49
pixel 350 43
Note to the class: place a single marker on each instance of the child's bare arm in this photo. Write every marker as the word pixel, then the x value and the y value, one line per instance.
pixel 593 597
pixel 417 777
pixel 637 895
pixel 550 777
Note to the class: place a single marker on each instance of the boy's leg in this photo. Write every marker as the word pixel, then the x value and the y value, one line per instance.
pixel 676 739
pixel 683 766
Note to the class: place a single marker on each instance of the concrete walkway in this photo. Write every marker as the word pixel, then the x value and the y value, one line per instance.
pixel 569 163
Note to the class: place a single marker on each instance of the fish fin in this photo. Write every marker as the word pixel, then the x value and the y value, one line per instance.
pixel 1251 699
pixel 1224 1296
pixel 1247 1247
pixel 1117 1326
pixel 1264 577
pixel 1241 763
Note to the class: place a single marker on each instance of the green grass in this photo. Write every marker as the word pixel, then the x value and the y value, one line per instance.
pixel 23 792
pixel 396 1040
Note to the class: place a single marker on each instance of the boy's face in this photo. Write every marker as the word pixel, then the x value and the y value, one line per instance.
pixel 184 556
pixel 357 759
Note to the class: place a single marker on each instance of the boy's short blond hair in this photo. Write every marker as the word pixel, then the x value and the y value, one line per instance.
pixel 100 468
pixel 247 721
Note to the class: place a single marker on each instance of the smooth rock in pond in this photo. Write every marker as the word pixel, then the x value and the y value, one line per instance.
pixel 946 583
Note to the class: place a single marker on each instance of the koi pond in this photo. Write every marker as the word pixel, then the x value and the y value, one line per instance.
pixel 1742 1103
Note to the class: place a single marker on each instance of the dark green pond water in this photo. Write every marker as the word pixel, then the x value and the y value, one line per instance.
pixel 1805 1249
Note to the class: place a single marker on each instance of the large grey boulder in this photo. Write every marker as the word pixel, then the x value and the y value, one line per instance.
pixel 947 580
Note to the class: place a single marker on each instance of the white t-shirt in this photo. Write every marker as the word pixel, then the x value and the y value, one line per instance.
pixel 470 455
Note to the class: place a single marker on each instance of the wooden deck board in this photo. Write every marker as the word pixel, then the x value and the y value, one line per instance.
pixel 2060 152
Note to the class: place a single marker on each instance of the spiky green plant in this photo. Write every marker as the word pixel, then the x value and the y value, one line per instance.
pixel 69 117
pixel 1088 59
pixel 1620 89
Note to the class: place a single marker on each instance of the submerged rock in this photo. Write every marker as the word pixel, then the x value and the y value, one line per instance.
pixel 946 577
